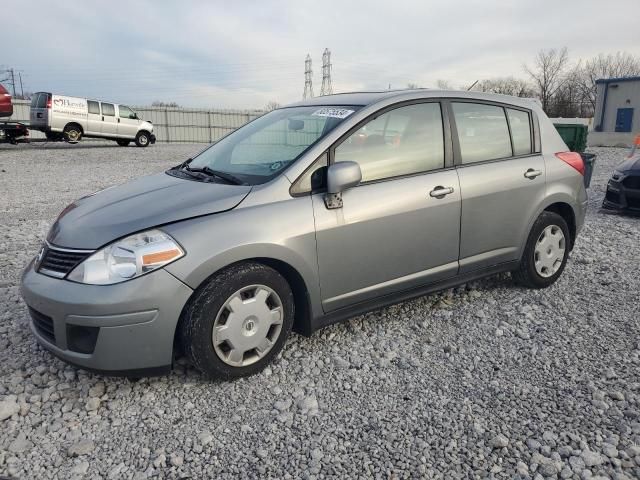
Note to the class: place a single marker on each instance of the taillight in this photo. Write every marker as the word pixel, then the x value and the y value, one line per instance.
pixel 572 158
pixel 48 102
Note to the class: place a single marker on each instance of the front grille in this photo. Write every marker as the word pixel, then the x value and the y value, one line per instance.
pixel 632 182
pixel 43 324
pixel 58 262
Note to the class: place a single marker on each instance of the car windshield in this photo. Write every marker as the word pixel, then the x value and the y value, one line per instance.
pixel 263 148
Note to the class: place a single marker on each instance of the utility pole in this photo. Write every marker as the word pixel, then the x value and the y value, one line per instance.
pixel 327 87
pixel 21 89
pixel 13 82
pixel 308 78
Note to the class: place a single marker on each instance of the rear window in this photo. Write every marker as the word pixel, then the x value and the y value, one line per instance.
pixel 42 100
pixel 94 107
pixel 34 100
pixel 482 131
pixel 108 109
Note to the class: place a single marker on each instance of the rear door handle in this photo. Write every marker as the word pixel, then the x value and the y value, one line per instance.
pixel 440 191
pixel 531 173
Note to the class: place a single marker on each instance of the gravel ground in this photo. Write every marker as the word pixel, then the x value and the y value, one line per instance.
pixel 484 381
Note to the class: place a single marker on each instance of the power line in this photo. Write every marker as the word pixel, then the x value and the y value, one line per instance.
pixel 308 78
pixel 327 87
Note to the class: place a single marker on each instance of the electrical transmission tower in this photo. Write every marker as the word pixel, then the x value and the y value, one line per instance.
pixel 308 78
pixel 327 87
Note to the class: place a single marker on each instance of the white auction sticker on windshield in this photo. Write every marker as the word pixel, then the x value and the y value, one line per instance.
pixel 333 112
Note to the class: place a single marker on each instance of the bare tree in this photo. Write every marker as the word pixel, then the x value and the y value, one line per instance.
pixel 505 86
pixel 620 64
pixel 272 105
pixel 413 86
pixel 444 85
pixel 548 73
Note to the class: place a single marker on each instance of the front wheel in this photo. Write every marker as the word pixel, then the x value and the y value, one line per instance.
pixel 546 252
pixel 143 139
pixel 238 321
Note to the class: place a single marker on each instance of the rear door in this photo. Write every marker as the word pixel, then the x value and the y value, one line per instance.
pixel 127 123
pixel 392 233
pixel 502 180
pixel 39 112
pixel 94 118
pixel 109 120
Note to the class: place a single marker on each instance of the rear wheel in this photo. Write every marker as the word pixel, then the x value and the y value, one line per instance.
pixel 123 143
pixel 72 133
pixel 143 139
pixel 546 252
pixel 238 321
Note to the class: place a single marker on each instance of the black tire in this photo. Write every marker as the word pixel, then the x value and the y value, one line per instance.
pixel 198 318
pixel 143 139
pixel 526 274
pixel 72 133
pixel 123 143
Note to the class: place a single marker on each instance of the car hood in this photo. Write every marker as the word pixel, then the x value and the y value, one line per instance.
pixel 630 164
pixel 100 218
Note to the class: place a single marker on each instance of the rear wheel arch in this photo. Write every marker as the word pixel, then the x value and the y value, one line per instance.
pixel 565 211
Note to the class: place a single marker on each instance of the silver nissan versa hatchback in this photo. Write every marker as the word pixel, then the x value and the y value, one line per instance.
pixel 310 214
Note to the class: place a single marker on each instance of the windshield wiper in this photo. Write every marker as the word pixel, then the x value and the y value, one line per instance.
pixel 216 173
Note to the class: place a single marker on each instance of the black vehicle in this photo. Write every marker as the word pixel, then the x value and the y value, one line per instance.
pixel 623 189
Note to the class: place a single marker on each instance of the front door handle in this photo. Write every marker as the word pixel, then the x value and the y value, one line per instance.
pixel 440 191
pixel 531 173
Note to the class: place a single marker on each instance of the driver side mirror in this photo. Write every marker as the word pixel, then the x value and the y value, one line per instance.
pixel 340 177
pixel 133 116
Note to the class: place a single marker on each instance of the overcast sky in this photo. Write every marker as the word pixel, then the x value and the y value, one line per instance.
pixel 244 54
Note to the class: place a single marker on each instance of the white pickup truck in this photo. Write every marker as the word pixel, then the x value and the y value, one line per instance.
pixel 70 118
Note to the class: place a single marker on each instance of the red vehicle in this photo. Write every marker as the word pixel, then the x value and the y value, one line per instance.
pixel 6 107
pixel 11 132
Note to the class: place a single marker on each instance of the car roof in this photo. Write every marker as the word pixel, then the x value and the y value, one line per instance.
pixel 372 97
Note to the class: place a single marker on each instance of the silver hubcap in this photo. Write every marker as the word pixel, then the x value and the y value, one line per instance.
pixel 73 135
pixel 549 251
pixel 248 325
pixel 143 139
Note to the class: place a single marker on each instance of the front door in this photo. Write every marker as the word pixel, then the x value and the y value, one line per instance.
pixel 109 120
pixel 502 182
pixel 624 120
pixel 127 122
pixel 400 227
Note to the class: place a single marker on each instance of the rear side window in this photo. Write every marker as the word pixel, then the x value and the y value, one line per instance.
pixel 94 107
pixel 108 109
pixel 482 131
pixel 520 124
pixel 402 141
pixel 42 101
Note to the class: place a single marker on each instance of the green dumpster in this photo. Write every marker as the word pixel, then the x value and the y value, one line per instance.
pixel 574 135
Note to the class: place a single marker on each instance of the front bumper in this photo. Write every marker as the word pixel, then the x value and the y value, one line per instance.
pixel 622 198
pixel 130 325
pixel 153 139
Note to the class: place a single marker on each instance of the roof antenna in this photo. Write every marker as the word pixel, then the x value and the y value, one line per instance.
pixel 472 85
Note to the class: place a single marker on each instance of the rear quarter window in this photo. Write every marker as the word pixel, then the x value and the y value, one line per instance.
pixel 520 123
pixel 94 107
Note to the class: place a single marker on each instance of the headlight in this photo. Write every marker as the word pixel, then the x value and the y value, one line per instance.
pixel 128 258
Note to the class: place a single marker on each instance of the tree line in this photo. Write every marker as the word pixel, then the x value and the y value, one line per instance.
pixel 565 88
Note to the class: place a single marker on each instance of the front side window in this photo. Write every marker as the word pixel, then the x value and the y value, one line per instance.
pixel 108 110
pixel 402 141
pixel 124 112
pixel 482 131
pixel 94 107
pixel 520 124
pixel 263 148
